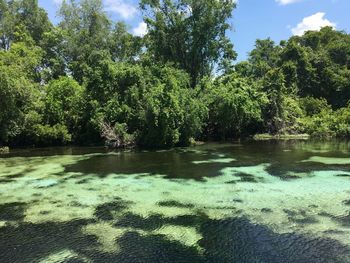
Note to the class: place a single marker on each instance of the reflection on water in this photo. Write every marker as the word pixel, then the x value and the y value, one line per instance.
pixel 251 202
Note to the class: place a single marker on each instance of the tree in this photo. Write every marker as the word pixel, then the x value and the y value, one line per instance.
pixel 318 63
pixel 18 91
pixel 33 18
pixel 54 63
pixel 64 104
pixel 191 34
pixel 234 108
pixel 273 84
pixel 88 77
pixel 263 57
pixel 86 29
pixel 7 23
pixel 22 17
pixel 172 114
pixel 124 47
pixel 156 103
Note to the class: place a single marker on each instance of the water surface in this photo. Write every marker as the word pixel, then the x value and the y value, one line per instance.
pixel 250 202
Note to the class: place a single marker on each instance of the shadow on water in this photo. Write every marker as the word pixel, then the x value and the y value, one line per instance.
pixel 12 211
pixel 227 240
pixel 283 158
pixel 238 240
pixel 29 242
pixel 173 164
pixel 106 211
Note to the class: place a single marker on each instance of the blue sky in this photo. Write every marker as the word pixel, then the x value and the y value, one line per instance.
pixel 277 19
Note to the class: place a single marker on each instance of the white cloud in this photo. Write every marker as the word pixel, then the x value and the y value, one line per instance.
pixel 140 30
pixel 287 2
pixel 121 7
pixel 314 22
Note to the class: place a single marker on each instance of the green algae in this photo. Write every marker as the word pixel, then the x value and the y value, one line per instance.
pixel 152 205
pixel 328 160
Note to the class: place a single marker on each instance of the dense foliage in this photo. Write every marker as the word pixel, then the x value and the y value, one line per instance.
pixel 88 80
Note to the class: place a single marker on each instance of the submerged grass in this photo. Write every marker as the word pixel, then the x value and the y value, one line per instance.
pixel 144 207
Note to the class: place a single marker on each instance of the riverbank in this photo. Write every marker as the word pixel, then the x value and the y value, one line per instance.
pixel 194 143
pixel 265 136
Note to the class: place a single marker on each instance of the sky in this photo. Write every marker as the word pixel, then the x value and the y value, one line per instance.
pixel 252 19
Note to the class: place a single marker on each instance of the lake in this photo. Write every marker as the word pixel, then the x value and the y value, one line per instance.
pixel 243 202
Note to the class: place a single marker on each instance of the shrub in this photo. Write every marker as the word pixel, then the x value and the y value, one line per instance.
pixel 328 123
pixel 64 104
pixel 46 135
pixel 234 108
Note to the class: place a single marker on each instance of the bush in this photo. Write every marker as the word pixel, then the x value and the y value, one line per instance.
pixel 292 113
pixel 234 108
pixel 64 104
pixel 341 124
pixel 328 123
pixel 312 106
pixel 46 135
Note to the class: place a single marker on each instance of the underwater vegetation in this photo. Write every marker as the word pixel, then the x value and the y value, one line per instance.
pixel 286 202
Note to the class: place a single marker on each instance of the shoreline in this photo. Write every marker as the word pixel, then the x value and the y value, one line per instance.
pixel 282 137
pixel 257 138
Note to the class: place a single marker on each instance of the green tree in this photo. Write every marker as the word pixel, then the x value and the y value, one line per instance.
pixel 7 24
pixel 190 33
pixel 264 57
pixel 172 114
pixel 22 17
pixel 64 104
pixel 318 64
pixel 18 91
pixel 234 108
pixel 54 64
pixel 86 29
pixel 273 84
pixel 124 47
pixel 156 103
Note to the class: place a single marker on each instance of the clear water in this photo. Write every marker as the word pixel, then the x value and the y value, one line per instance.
pixel 252 202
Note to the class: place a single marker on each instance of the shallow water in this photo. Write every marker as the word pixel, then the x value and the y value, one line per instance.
pixel 251 202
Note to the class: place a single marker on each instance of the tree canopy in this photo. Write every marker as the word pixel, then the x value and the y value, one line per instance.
pixel 88 80
pixel 190 33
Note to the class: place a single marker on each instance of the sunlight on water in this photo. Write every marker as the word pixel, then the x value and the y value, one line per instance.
pixel 221 160
pixel 200 204
pixel 328 160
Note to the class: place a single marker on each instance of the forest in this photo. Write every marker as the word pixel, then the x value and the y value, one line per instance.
pixel 88 81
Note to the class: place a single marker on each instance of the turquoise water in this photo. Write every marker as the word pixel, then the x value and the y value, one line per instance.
pixel 249 202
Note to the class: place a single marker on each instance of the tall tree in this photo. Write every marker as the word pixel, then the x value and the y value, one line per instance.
pixel 263 57
pixel 7 22
pixel 22 17
pixel 124 46
pixel 86 29
pixel 319 64
pixel 18 91
pixel 190 33
pixel 33 18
